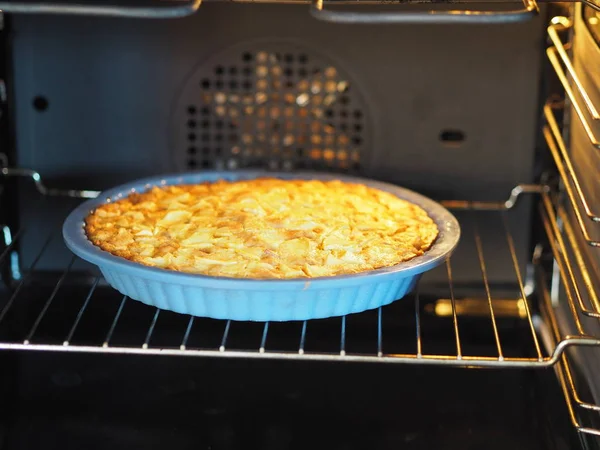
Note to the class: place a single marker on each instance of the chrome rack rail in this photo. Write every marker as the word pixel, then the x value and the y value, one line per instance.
pixel 527 11
pixel 177 8
pixel 40 186
pixel 164 9
pixel 569 176
pixel 487 308
pixel 576 406
pixel 585 214
pixel 557 54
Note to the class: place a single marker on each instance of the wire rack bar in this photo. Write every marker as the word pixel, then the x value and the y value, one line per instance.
pixel 563 369
pixel 113 325
pixel 186 336
pixel 527 10
pixel 557 54
pixel 343 338
pixel 454 315
pixel 554 141
pixel 225 336
pixel 419 354
pixel 379 333
pixel 11 245
pixel 24 279
pixel 561 268
pixel 40 316
pixel 565 265
pixel 173 10
pixel 513 255
pixel 488 293
pixel 263 340
pixel 466 361
pixel 576 196
pixel 571 175
pixel 151 329
pixel 581 265
pixel 302 338
pixel 81 311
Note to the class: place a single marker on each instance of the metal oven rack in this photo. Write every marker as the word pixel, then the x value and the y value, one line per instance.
pixel 576 217
pixel 386 344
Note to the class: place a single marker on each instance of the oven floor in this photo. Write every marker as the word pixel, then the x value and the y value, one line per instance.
pixel 62 401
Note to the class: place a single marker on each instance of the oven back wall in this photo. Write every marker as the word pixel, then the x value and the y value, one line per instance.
pixel 446 110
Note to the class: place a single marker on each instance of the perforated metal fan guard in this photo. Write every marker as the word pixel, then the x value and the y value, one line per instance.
pixel 273 106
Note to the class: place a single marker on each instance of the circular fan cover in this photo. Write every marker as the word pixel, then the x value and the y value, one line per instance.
pixel 273 106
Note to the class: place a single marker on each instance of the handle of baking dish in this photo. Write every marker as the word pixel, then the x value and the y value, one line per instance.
pixel 556 55
pixel 176 8
pixel 529 10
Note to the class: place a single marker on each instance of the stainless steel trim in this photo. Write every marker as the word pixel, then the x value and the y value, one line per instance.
pixel 562 367
pixel 175 9
pixel 565 266
pixel 41 187
pixel 529 11
pixel 568 175
pixel 559 50
pixel 570 170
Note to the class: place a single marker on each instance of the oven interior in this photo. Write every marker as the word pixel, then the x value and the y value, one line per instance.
pixel 496 347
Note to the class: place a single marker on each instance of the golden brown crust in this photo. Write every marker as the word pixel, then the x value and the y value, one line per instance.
pixel 264 228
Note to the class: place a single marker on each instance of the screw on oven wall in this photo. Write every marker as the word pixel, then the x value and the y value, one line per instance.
pixel 452 137
pixel 40 103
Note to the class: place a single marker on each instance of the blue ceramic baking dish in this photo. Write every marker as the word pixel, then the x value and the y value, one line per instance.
pixel 253 299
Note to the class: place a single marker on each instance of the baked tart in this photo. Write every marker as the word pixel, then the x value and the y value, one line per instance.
pixel 263 228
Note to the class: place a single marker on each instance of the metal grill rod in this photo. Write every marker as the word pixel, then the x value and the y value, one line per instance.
pixel 561 260
pixel 418 323
pixel 454 316
pixel 528 11
pixel 151 329
pixel 379 332
pixel 81 311
pixel 508 204
pixel 11 245
pixel 550 141
pixel 302 338
pixel 175 10
pixel 562 366
pixel 437 360
pixel 580 262
pixel 513 254
pixel 557 24
pixel 42 313
pixel 562 271
pixel 186 336
pixel 555 140
pixel 41 187
pixel 573 389
pixel 343 337
pixel 263 340
pixel 113 325
pixel 24 279
pixel 225 335
pixel 487 290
